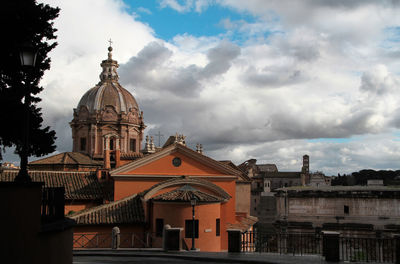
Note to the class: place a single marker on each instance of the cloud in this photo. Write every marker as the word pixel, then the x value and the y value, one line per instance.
pixel 379 81
pixel 299 70
pixel 220 59
pixel 154 68
pixel 144 10
pixel 186 5
pixel 175 5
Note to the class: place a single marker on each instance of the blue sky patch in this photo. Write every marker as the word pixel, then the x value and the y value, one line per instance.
pixel 331 140
pixel 167 22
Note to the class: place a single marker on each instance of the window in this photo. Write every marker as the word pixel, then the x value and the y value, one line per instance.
pixel 346 209
pixel 159 227
pixel 111 144
pixel 217 227
pixel 132 145
pixel 83 144
pixel 189 228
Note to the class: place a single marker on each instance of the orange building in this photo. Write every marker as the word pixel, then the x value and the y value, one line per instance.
pixel 165 183
pixel 112 181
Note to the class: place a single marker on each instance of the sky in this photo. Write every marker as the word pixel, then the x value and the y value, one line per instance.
pixel 270 80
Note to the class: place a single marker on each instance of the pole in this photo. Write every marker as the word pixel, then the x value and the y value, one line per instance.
pixel 193 229
pixel 23 175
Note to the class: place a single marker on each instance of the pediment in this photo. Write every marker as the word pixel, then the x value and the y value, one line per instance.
pixel 175 160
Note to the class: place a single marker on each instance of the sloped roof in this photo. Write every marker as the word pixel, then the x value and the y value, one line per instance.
pixel 244 223
pixel 131 155
pixel 67 158
pixel 185 180
pixel 243 176
pixel 282 174
pixel 78 185
pixel 125 211
pixel 267 168
pixel 185 194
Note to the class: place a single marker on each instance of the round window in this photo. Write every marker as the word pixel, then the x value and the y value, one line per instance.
pixel 177 162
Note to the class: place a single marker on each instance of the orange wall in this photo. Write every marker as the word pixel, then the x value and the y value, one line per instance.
pixel 129 186
pixel 76 207
pixel 163 166
pixel 125 186
pixel 227 210
pixel 175 214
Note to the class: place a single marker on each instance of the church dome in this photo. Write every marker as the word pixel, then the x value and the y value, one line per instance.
pixel 108 92
pixel 107 118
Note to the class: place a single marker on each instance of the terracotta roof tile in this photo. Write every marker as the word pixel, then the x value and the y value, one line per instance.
pixel 125 211
pixel 243 176
pixel 78 185
pixel 185 193
pixel 244 223
pixel 67 158
pixel 131 156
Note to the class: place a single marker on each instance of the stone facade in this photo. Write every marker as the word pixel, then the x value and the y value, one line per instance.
pixel 107 119
pixel 342 208
pixel 266 178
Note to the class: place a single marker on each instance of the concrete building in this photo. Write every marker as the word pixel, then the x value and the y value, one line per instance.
pixel 266 179
pixel 351 209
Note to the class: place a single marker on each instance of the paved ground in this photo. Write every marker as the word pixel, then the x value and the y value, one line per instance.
pixel 158 256
pixel 134 260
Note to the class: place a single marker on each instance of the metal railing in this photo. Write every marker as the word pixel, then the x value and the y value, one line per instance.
pixel 92 240
pixel 367 249
pixel 282 243
pixel 104 240
pixel 359 249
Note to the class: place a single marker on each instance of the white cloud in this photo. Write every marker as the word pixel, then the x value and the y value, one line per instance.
pixel 186 5
pixel 306 70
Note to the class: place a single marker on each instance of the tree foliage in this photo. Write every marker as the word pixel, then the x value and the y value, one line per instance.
pixel 361 177
pixel 24 22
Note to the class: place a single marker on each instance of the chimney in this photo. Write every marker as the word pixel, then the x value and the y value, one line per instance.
pixel 107 164
pixel 117 158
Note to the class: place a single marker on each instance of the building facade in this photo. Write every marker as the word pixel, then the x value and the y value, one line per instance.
pixel 348 209
pixel 265 179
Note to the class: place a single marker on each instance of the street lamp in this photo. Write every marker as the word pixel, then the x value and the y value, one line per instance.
pixel 193 203
pixel 27 56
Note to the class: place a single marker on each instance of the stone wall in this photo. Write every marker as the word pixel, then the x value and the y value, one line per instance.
pixel 360 208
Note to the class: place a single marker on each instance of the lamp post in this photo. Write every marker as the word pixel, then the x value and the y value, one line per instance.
pixel 193 203
pixel 27 56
